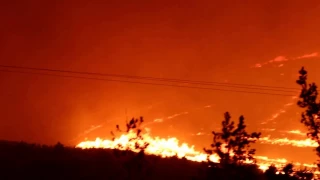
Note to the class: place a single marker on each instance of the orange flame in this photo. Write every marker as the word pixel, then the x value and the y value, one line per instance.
pixel 157 146
pixel 170 147
pixel 286 141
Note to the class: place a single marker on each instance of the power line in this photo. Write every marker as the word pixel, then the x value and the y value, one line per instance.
pixel 250 86
pixel 156 84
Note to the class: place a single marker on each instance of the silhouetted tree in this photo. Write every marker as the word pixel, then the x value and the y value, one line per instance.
pixel 134 126
pixel 271 172
pixel 308 100
pixel 233 139
pixel 288 169
pixel 138 164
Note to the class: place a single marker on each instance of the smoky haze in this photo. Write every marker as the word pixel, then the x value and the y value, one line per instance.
pixel 207 41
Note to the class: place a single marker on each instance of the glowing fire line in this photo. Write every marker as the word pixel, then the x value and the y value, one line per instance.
pixel 171 147
pixel 286 141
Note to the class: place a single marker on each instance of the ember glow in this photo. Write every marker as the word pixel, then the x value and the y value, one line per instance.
pixel 157 146
pixel 286 141
pixel 297 132
pixel 280 59
pixel 171 147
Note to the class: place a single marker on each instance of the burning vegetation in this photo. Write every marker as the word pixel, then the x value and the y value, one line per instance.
pixel 231 146
pixel 136 154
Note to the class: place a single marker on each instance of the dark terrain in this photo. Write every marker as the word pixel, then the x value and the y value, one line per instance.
pixel 21 160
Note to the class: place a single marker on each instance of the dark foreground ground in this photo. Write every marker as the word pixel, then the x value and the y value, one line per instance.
pixel 20 160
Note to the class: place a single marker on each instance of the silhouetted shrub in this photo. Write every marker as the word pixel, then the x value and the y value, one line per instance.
pixel 136 164
pixel 304 174
pixel 134 126
pixel 58 147
pixel 288 169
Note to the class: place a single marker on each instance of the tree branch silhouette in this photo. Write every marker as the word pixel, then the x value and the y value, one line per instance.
pixel 308 101
pixel 232 144
pixel 134 126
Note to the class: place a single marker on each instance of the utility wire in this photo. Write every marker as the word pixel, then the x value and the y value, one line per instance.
pixel 250 86
pixel 146 83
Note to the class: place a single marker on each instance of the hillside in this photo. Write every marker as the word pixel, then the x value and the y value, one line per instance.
pixel 20 160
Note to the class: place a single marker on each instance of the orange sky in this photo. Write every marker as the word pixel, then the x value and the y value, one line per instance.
pixel 207 40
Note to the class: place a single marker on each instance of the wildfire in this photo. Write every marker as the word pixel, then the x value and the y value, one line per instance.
pixel 282 141
pixel 157 146
pixel 298 132
pixel 170 147
pixel 286 141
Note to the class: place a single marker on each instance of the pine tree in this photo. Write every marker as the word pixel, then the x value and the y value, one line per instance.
pixel 308 101
pixel 232 144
